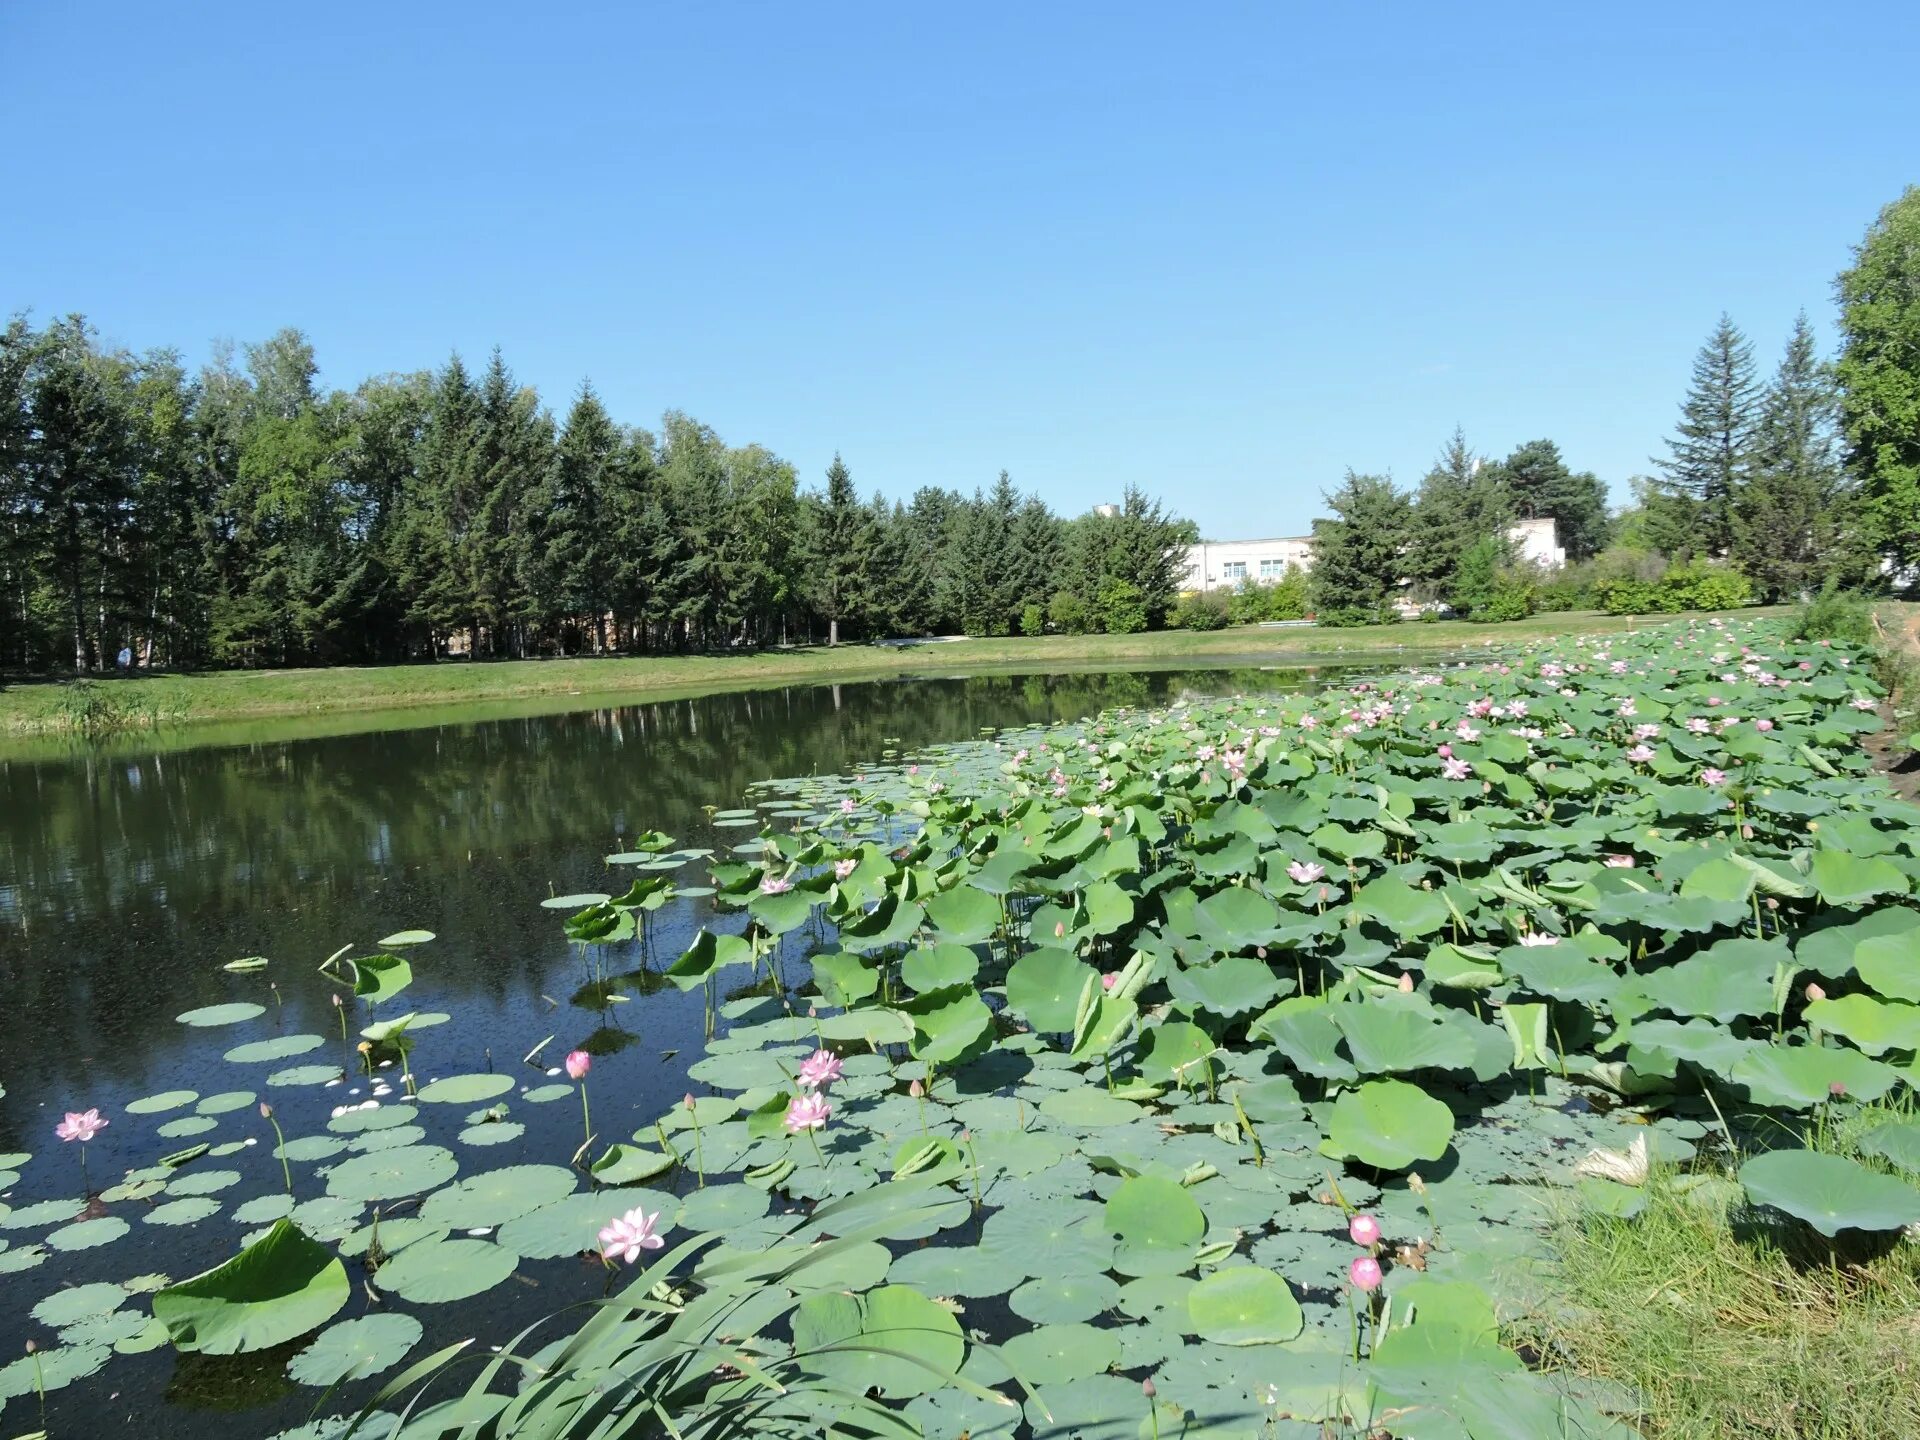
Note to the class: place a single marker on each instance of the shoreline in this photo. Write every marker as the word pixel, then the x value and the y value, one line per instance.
pixel 143 705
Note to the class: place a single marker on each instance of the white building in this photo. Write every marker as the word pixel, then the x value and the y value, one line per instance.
pixel 1223 564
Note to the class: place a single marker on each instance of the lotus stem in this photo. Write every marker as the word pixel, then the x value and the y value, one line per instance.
pixel 286 1171
pixel 586 1120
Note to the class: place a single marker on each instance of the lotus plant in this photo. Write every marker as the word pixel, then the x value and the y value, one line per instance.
pixel 578 1063
pixel 629 1236
pixel 81 1125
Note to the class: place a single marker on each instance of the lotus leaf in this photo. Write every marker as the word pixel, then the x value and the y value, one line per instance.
pixel 1389 1125
pixel 1244 1305
pixel 279 1287
pixel 1830 1192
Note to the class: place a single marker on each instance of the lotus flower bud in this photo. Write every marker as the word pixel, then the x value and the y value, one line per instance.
pixel 1146 1388
pixel 1815 991
pixel 1406 984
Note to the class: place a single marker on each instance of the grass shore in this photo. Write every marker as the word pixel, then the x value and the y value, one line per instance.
pixel 52 707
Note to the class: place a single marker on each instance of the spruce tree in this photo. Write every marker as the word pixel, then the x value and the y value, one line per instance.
pixel 1461 502
pixel 1782 523
pixel 1711 454
pixel 1879 377
pixel 837 558
pixel 572 539
pixel 1539 485
pixel 1359 553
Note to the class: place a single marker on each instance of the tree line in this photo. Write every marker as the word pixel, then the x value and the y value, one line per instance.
pixel 1768 489
pixel 244 516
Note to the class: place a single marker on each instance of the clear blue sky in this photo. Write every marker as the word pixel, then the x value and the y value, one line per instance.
pixel 1221 251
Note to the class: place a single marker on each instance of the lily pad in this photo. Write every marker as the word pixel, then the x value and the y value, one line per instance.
pixel 279 1287
pixel 1830 1192
pixel 355 1349
pixel 231 1013
pixel 1244 1305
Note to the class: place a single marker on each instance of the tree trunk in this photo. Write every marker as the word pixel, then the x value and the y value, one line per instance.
pixel 833 638
pixel 79 621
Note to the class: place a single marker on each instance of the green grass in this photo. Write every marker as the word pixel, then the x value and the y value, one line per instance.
pixel 51 708
pixel 1728 1332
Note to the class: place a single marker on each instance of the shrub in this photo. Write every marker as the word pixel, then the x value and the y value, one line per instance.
pixel 1069 614
pixel 1835 614
pixel 1701 585
pixel 1207 610
pixel 1123 609
pixel 1510 599
pixel 1033 620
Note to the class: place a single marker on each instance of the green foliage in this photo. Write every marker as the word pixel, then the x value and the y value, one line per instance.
pixel 1122 607
pixel 1204 610
pixel 1033 619
pixel 1712 454
pixel 1879 375
pixel 1835 614
pixel 1697 585
pixel 1356 569
pixel 1537 484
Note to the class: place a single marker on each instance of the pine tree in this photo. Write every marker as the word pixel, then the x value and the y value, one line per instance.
pixel 1782 521
pixel 571 540
pixel 445 504
pixel 1538 485
pixel 1879 376
pixel 837 558
pixel 1358 553
pixel 1460 503
pixel 512 450
pixel 1711 455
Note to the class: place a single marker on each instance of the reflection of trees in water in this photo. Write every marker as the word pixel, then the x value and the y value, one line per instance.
pixel 126 882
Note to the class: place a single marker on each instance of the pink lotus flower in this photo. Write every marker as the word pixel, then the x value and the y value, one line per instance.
pixel 81 1125
pixel 1365 1273
pixel 807 1112
pixel 1445 752
pixel 1861 702
pixel 1364 1229
pixel 819 1070
pixel 1305 872
pixel 1697 726
pixel 1640 754
pixel 1455 769
pixel 1713 776
pixel 1406 984
pixel 1763 724
pixel 1533 939
pixel 775 885
pixel 846 804
pixel 578 1064
pixel 627 1236
pixel 1619 862
pixel 1110 979
pixel 843 868
pixel 1815 991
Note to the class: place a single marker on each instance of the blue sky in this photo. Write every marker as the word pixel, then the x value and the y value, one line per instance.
pixel 1221 251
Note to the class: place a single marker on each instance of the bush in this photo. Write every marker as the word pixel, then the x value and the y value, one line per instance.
pixel 1510 599
pixel 1835 614
pixel 1033 620
pixel 1069 614
pixel 1207 610
pixel 1700 585
pixel 1123 609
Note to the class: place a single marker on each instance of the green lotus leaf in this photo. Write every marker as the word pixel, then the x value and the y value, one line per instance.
pixel 1388 1124
pixel 1051 1354
pixel 1830 1192
pixel 408 937
pixel 938 967
pixel 1176 1050
pixel 1046 1240
pixel 1157 1226
pixel 496 1196
pixel 949 1025
pixel 1237 918
pixel 1843 879
pixel 1400 907
pixel 465 1089
pixel 65 1307
pixel 1244 1305
pixel 283 1047
pixel 873 1025
pixel 1229 986
pixel 863 1343
pixel 280 1287
pixel 380 977
pixel 1064 1299
pixel 572 1226
pixel 1796 1077
pixel 86 1234
pixel 159 1104
pixel 355 1349
pixel 391 1174
pixel 1389 1034
pixel 1044 987
pixel 628 1164
pixel 1896 1141
pixel 1713 984
pixel 229 1014
pixel 964 916
pixel 435 1272
pixel 1890 964
pixel 843 978
pixel 1876 1026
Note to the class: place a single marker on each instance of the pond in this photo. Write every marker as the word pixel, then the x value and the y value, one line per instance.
pixel 130 876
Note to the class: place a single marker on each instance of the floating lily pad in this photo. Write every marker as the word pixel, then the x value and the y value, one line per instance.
pixel 283 1047
pixel 1830 1192
pixel 355 1349
pixel 435 1272
pixel 88 1233
pixel 229 1014
pixel 465 1089
pixel 497 1196
pixel 1244 1305
pixel 390 1174
pixel 1389 1124
pixel 164 1101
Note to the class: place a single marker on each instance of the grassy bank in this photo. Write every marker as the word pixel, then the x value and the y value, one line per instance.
pixel 54 707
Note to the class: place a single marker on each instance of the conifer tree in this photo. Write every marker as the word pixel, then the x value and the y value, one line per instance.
pixel 1783 527
pixel 1358 554
pixel 838 555
pixel 1461 502
pixel 1710 456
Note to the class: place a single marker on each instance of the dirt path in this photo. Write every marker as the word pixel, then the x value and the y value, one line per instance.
pixel 1888 745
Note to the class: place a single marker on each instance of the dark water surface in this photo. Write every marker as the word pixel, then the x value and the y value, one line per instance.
pixel 128 877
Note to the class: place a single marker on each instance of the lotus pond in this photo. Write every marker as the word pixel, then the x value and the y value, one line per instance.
pixel 1199 1068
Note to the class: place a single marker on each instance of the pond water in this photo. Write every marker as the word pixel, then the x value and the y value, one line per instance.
pixel 129 876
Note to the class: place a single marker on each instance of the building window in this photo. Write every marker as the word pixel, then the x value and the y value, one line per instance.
pixel 1234 570
pixel 1272 569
